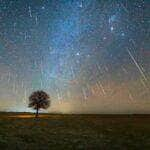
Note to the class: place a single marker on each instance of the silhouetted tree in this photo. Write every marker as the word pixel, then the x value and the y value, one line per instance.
pixel 39 99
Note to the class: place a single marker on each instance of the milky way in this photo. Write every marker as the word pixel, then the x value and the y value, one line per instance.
pixel 89 55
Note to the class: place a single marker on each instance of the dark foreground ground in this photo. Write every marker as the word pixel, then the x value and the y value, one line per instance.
pixel 63 132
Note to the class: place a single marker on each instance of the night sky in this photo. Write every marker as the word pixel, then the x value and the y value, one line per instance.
pixel 91 56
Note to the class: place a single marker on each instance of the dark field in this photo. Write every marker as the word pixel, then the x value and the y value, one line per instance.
pixel 88 132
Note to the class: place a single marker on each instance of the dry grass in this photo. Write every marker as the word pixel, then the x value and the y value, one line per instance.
pixel 63 132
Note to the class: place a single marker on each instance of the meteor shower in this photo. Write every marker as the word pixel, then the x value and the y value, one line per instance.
pixel 87 59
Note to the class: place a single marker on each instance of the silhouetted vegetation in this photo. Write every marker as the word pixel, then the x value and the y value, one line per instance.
pixel 38 100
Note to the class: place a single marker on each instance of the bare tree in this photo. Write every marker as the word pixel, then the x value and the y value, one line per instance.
pixel 38 100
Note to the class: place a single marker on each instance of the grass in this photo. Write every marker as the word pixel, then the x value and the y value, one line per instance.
pixel 63 132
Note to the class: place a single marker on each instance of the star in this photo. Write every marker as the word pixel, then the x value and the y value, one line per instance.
pixel 112 28
pixel 122 34
pixel 81 5
pixel 77 53
pixel 104 38
pixel 43 7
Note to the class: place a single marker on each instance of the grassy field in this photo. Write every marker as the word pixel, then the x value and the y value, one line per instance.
pixel 63 132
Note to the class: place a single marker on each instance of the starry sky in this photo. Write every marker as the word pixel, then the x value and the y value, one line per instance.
pixel 91 56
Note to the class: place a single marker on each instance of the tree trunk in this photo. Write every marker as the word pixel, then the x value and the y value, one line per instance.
pixel 37 112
